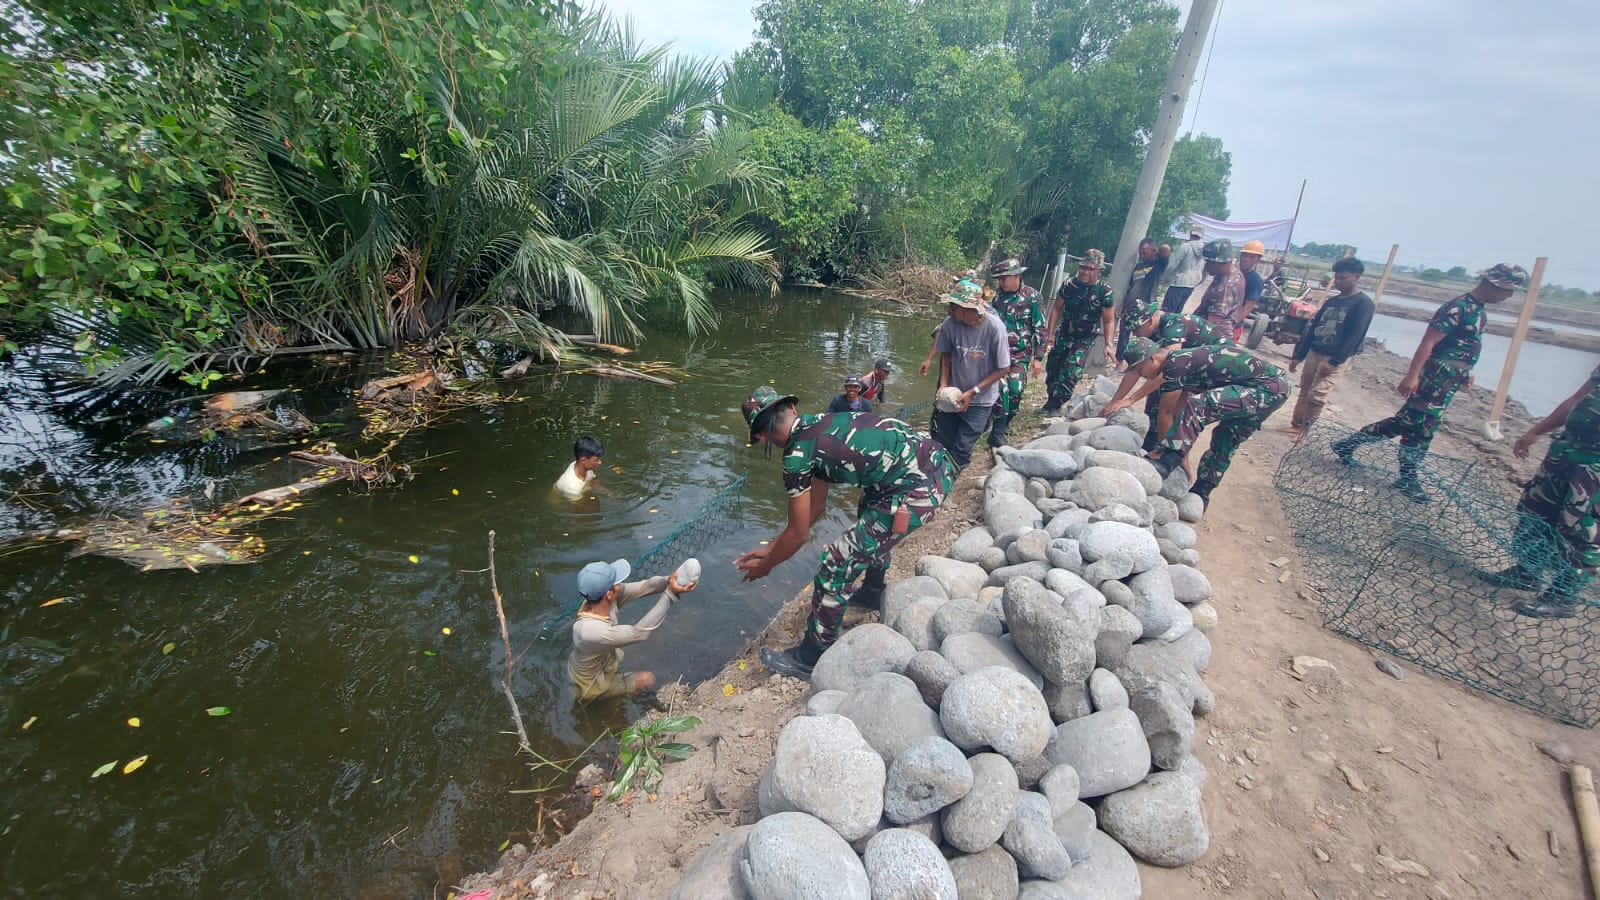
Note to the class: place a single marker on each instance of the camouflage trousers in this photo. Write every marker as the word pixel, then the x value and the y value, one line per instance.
pixel 869 542
pixel 1417 421
pixel 1064 366
pixel 1563 495
pixel 1238 411
pixel 1007 407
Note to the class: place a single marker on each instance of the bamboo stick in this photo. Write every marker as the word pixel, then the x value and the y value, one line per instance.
pixel 1583 801
pixel 505 636
pixel 1491 428
pixel 1383 280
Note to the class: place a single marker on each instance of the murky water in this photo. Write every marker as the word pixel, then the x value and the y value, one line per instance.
pixel 366 751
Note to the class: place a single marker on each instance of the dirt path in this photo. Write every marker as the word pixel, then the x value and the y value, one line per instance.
pixel 1349 784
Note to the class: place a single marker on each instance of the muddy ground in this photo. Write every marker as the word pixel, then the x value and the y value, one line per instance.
pixel 1348 784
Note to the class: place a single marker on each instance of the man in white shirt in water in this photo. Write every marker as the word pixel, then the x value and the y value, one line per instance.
pixel 587 455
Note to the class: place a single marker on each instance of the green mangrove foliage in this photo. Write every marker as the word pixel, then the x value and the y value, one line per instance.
pixel 190 183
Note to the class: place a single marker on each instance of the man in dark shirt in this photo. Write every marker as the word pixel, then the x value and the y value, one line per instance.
pixel 1249 259
pixel 1334 336
pixel 1441 366
pixel 851 400
pixel 1147 272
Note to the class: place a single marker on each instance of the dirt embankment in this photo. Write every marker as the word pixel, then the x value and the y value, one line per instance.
pixel 1350 785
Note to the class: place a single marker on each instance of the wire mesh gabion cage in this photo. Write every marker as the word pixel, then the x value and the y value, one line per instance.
pixel 1406 577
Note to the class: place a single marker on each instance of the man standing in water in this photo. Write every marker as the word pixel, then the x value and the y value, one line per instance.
pixel 597 638
pixel 1017 305
pixel 1441 366
pixel 1082 310
pixel 904 476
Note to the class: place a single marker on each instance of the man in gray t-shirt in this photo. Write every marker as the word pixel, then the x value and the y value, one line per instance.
pixel 974 354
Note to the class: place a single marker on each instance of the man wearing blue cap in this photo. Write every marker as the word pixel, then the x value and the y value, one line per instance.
pixel 597 639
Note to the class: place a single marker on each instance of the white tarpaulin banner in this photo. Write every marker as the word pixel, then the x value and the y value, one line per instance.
pixel 1274 233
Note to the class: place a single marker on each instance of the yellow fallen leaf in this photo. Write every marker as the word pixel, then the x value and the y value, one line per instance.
pixel 134 764
pixel 655 509
pixel 603 418
pixel 742 665
pixel 133 722
pixel 728 690
pixel 637 422
pixel 413 558
pixel 445 630
pixel 52 602
pixel 29 724
pixel 454 492
pixel 105 769
pixel 168 647
pixel 617 469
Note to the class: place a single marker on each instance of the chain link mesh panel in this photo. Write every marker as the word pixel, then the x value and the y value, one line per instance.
pixel 1407 577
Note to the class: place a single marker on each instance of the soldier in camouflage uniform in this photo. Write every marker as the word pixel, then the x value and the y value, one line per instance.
pixel 1017 305
pixel 1441 366
pixel 1563 495
pixel 904 475
pixel 1082 309
pixel 1164 329
pixel 1199 386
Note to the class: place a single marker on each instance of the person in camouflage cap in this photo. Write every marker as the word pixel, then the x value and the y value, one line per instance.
pixel 1017 305
pixel 1223 304
pixel 1200 386
pixel 1563 495
pixel 904 476
pixel 1083 308
pixel 1441 365
pixel 1165 329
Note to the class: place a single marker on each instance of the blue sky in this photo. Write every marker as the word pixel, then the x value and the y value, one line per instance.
pixel 1466 131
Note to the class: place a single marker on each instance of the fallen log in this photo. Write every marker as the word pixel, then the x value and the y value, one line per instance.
pixel 606 371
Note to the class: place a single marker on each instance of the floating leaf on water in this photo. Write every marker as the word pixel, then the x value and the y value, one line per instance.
pixel 637 422
pixel 617 470
pixel 134 764
pixel 445 630
pixel 29 724
pixel 378 779
pixel 134 722
pixel 429 653
pixel 305 552
pixel 603 418
pixel 503 845
pixel 764 543
pixel 674 451
pixel 454 492
pixel 218 711
pixel 655 509
pixel 105 769
pixel 168 647
pixel 52 602
pixel 413 558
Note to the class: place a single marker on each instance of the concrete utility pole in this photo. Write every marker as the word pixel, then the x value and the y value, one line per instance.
pixel 1162 137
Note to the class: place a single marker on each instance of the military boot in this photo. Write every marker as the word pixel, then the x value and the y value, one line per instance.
pixel 797 661
pixel 870 594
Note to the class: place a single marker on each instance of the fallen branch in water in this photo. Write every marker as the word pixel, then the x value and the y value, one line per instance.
pixel 505 635
pixel 606 371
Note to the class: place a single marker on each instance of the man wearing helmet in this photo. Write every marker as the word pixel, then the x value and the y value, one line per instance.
pixel 1249 259
pixel 904 475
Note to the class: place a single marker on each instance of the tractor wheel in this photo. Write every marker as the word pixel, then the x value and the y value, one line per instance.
pixel 1258 330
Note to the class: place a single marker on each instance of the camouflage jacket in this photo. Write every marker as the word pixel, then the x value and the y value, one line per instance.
pixel 1199 369
pixel 1024 323
pixel 1189 331
pixel 860 449
pixel 1080 307
pixel 1582 431
pixel 1462 321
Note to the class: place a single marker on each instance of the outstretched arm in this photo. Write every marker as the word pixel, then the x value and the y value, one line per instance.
pixel 804 510
pixel 1551 422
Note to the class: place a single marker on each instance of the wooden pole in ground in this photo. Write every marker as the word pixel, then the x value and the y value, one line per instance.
pixel 1491 428
pixel 1588 820
pixel 1383 280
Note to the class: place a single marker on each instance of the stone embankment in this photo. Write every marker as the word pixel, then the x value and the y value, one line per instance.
pixel 1020 724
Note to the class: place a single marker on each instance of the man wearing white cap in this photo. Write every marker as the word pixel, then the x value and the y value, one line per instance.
pixel 597 639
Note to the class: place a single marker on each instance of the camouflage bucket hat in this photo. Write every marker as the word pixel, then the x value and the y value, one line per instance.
pixel 1148 311
pixel 1092 259
pixel 1138 350
pixel 965 293
pixel 762 399
pixel 1219 250
pixel 1505 275
pixel 1008 266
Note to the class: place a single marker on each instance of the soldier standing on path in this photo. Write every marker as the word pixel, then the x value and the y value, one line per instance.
pixel 1563 494
pixel 1166 330
pixel 904 476
pixel 1017 305
pixel 1223 304
pixel 1199 386
pixel 1441 366
pixel 1082 309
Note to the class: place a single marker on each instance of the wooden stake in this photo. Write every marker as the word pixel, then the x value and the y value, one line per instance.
pixel 1588 818
pixel 1383 280
pixel 1491 428
pixel 505 635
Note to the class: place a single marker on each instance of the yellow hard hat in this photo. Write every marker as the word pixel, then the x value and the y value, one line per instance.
pixel 1256 247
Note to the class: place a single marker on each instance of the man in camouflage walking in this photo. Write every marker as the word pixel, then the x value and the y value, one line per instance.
pixel 1082 309
pixel 1164 329
pixel 1441 366
pixel 1563 495
pixel 1200 386
pixel 1017 305
pixel 904 476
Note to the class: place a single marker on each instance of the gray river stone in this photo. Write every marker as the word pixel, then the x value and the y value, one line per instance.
pixel 900 594
pixel 973 651
pixel 1116 437
pixel 1180 533
pixel 989 875
pixel 1189 585
pixel 925 778
pixel 1079 426
pixel 1004 512
pixel 1118 630
pixel 1163 691
pixel 1033 545
pixel 975 822
pixel 1002 480
pixel 1195 649
pixel 999 708
pixel 1063 553
pixel 1067 701
pixel 1106 691
pixel 1191 507
pixel 1058 643
pixel 1068 523
pixel 1098 486
pixel 714 873
pixel 860 653
pixel 1153 603
pixel 1170 552
pixel 1131 419
pixel 1075 827
pixel 1031 838
pixel 1104 540
pixel 1195 770
pixel 1175 485
pixel 1060 443
pixel 888 711
pixel 850 799
pixel 1108 873
pixel 1036 570
pixel 1052 465
pixel 1204 616
pixel 793 856
pixel 931 673
pixel 991 559
pixel 1158 820
pixel 1050 506
pixel 1036 489
pixel 1137 466
pixel 1059 784
pixel 915 621
pixel 1071 586
pixel 1162 510
pixel 824 703
pixel 1189 557
pixel 971 544
pixel 902 864
pixel 1108 750
pixel 1030 770
pixel 1119 512
pixel 768 799
pixel 961 616
pixel 958 579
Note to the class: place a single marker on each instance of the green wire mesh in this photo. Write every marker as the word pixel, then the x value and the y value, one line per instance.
pixel 1405 577
pixel 712 521
pixel 914 414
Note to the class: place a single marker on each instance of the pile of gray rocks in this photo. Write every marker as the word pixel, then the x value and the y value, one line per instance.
pixel 1022 719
